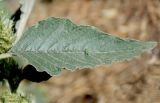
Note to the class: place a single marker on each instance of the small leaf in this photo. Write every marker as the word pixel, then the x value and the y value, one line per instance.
pixel 6 35
pixel 57 43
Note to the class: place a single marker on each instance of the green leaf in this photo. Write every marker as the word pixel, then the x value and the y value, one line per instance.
pixel 57 43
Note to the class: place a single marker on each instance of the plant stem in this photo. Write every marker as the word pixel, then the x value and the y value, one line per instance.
pixel 6 55
pixel 27 6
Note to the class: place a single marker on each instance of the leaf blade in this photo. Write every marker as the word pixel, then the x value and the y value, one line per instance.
pixel 58 43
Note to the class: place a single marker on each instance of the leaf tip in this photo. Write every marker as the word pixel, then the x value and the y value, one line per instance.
pixel 152 44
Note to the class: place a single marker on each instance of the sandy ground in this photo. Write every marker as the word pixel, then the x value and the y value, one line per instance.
pixel 136 81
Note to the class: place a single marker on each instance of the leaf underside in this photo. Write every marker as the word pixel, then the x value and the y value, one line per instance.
pixel 57 43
